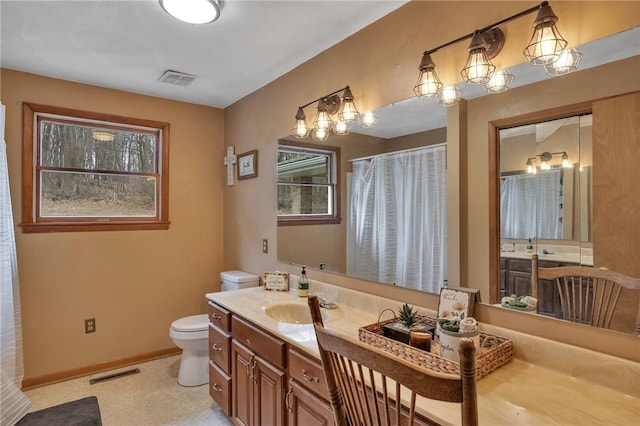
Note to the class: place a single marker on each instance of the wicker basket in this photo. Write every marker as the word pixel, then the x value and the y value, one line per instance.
pixel 494 351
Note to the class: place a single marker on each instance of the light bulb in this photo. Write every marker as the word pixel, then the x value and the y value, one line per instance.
pixel 369 120
pixel 449 96
pixel 320 134
pixel 568 62
pixel 341 128
pixel 428 82
pixel 500 82
pixel 544 165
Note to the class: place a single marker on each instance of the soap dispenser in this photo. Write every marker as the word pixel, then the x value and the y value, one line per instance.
pixel 303 283
pixel 529 246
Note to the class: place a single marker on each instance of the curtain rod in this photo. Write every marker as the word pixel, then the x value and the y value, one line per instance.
pixel 398 152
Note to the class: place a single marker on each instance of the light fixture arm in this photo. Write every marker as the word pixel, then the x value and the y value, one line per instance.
pixel 489 27
pixel 324 97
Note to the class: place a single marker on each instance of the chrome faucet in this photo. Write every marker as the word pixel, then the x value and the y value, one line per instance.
pixel 326 303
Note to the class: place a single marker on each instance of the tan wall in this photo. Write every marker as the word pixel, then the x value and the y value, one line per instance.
pixel 135 283
pixel 380 64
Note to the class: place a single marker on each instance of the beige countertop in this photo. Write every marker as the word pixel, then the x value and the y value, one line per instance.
pixel 547 383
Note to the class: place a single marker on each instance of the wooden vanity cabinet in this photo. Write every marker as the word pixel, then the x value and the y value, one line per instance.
pixel 307 399
pixel 257 375
pixel 515 278
pixel 219 357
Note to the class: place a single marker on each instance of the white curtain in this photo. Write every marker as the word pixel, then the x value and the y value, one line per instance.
pixel 13 403
pixel 531 205
pixel 397 219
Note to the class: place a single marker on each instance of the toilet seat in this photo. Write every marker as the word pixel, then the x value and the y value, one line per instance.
pixel 194 323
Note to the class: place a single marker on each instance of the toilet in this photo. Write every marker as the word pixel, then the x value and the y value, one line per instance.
pixel 191 334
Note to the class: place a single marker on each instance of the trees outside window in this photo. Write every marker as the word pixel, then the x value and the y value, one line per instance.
pixel 85 171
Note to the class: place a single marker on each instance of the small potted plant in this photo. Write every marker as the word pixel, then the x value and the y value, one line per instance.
pixel 407 321
pixel 454 325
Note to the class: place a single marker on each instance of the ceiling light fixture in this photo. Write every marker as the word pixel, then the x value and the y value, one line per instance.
pixel 328 105
pixel 192 11
pixel 103 135
pixel 546 48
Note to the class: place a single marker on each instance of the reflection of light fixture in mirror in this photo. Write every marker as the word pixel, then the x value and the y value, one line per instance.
pixel 544 48
pixel 192 11
pixel 545 161
pixel 328 105
pixel 320 134
pixel 103 135
pixel 546 43
pixel 301 130
pixel 531 169
pixel 500 81
pixel 478 68
pixel 340 128
pixel 568 62
pixel 368 119
pixel 449 95
pixel 428 82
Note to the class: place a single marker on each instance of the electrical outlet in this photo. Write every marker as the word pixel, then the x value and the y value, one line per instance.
pixel 265 245
pixel 90 325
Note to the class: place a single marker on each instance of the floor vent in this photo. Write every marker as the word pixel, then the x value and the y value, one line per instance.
pixel 114 376
pixel 177 78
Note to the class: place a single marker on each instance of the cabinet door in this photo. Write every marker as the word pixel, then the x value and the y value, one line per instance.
pixel 306 409
pixel 242 384
pixel 269 385
pixel 519 283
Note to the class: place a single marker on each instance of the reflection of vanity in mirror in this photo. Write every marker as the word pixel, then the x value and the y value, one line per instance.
pixel 568 237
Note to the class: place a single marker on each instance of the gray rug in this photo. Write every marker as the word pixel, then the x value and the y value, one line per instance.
pixel 83 412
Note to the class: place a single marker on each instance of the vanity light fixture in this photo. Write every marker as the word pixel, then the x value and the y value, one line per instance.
pixel 545 48
pixel 500 81
pixel 368 119
pixel 568 62
pixel 332 104
pixel 192 11
pixel 545 161
pixel 449 96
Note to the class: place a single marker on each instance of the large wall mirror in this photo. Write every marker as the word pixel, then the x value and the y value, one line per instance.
pixel 411 125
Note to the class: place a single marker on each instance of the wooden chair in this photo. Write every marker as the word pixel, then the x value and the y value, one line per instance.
pixel 587 295
pixel 366 383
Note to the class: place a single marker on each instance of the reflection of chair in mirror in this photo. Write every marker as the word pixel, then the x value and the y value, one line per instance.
pixel 348 364
pixel 587 295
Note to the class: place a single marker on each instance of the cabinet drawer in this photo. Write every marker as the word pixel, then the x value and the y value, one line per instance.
pixel 520 265
pixel 219 348
pixel 265 345
pixel 219 317
pixel 308 372
pixel 220 388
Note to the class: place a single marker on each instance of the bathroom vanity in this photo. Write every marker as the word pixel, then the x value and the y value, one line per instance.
pixel 264 370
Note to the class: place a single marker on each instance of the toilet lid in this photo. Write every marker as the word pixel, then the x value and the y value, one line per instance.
pixel 192 323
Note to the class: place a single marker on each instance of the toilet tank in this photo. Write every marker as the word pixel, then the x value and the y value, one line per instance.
pixel 234 280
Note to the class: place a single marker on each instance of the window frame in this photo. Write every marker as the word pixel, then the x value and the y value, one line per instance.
pixel 335 216
pixel 32 223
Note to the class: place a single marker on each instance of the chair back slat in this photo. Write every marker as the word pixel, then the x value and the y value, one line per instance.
pixel 588 295
pixel 359 378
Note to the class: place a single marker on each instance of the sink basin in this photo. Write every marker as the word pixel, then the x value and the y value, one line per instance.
pixel 291 313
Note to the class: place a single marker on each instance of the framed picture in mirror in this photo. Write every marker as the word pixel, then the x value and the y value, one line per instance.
pixel 248 165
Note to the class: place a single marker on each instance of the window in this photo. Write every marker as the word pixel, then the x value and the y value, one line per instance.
pixel 85 171
pixel 308 184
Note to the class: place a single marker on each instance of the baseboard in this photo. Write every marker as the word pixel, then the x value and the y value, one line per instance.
pixel 34 382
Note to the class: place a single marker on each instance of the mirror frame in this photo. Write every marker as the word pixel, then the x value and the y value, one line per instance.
pixel 494 178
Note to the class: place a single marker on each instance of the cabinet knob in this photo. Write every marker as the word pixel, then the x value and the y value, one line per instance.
pixel 308 377
pixel 248 342
pixel 216 348
pixel 216 387
pixel 216 316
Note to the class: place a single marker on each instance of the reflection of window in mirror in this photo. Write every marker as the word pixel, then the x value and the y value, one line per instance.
pixel 308 183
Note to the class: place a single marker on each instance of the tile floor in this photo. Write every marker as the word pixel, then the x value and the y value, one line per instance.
pixel 152 397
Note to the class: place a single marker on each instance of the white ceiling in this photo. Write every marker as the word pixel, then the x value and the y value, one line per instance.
pixel 127 45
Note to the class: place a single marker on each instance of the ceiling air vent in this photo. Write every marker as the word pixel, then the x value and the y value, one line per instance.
pixel 176 77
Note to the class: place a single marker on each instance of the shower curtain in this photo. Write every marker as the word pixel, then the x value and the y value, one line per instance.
pixel 13 403
pixel 397 219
